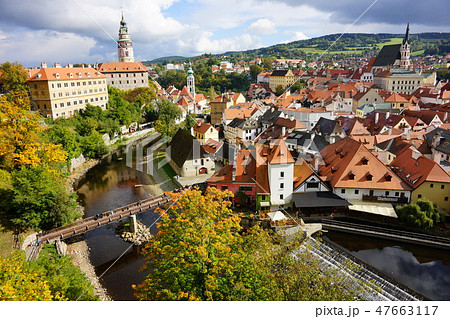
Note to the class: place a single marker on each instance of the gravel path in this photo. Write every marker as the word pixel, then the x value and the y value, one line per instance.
pixel 80 254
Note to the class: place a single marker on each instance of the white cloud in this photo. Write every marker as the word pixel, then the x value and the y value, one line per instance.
pixel 262 26
pixel 47 46
pixel 297 36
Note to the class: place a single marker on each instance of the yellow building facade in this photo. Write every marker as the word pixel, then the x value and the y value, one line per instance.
pixel 436 192
pixel 283 78
pixel 60 92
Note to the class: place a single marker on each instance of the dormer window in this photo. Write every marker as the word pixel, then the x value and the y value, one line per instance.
pixel 57 75
pixel 104 69
pixel 364 161
pixel 351 176
pixel 79 74
pixel 116 68
pixel 89 74
pixel 388 177
pixel 71 75
pixel 369 176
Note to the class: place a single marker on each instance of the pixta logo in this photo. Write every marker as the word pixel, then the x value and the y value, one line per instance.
pixel 151 144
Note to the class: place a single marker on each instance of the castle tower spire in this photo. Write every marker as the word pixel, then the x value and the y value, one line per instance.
pixel 125 45
pixel 190 81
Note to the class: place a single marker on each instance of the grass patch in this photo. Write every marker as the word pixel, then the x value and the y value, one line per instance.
pixel 6 242
pixel 160 156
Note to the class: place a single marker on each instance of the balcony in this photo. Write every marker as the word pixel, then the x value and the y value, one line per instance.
pixel 399 200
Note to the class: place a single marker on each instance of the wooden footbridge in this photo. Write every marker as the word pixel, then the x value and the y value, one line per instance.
pixel 84 225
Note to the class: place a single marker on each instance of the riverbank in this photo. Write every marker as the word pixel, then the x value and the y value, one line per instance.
pixel 80 256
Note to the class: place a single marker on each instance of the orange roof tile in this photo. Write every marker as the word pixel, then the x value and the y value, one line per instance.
pixel 54 74
pixel 202 127
pixel 121 67
pixel 349 164
pixel 280 154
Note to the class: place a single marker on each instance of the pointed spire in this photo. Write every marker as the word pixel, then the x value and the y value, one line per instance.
pixel 406 39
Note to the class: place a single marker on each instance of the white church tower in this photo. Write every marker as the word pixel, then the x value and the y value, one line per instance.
pixel 125 45
pixel 405 62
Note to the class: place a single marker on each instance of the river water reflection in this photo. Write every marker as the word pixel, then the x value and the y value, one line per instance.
pixel 423 269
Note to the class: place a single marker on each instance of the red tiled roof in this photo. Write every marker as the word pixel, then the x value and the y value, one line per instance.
pixel 54 74
pixel 121 67
pixel 347 158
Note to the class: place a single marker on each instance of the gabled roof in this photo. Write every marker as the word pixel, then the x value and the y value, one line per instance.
pixel 396 98
pixel 202 127
pixel 388 55
pixel 325 126
pixel 394 146
pixel 279 73
pixel 348 164
pixel 212 146
pixel 270 116
pixel 416 169
pixel 182 146
pixel 310 140
pixel 280 154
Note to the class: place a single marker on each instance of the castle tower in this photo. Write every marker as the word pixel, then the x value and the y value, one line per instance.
pixel 190 81
pixel 405 62
pixel 125 45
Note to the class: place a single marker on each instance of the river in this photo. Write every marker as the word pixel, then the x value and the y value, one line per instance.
pixel 112 184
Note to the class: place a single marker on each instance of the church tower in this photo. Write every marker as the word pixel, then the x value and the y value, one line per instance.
pixel 191 81
pixel 405 62
pixel 125 45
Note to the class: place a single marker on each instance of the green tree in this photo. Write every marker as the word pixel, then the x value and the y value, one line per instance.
pixel 93 145
pixel 211 93
pixel 190 121
pixel 109 126
pixel 168 112
pixel 297 86
pixel 37 200
pixel 255 69
pixel 422 214
pixel 66 137
pixel 13 77
pixel 279 90
pixel 62 276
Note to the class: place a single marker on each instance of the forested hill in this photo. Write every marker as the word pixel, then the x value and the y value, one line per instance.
pixel 352 43
pixel 355 44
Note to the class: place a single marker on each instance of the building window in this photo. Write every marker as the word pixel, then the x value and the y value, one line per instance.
pixel 356 191
pixel 386 193
pixel 397 194
pixel 351 176
pixel 342 191
pixel 263 197
pixel 446 198
pixel 281 174
pixel 419 196
pixel 369 177
pixel 442 186
pixel 312 185
pixel 281 185
pixel 431 185
pixel 281 196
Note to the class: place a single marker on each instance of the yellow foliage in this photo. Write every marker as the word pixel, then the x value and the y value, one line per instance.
pixel 20 141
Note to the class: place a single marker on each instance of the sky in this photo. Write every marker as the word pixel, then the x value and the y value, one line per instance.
pixel 85 31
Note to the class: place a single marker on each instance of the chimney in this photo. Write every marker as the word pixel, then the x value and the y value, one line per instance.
pixel 377 117
pixel 387 115
pixel 43 65
pixel 56 65
pixel 70 65
pixel 283 131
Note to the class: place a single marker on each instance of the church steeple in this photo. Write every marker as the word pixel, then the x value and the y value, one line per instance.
pixel 406 39
pixel 405 62
pixel 125 45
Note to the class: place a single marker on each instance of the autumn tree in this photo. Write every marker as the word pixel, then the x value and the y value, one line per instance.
pixel 13 77
pixel 202 253
pixel 20 283
pixel 21 144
